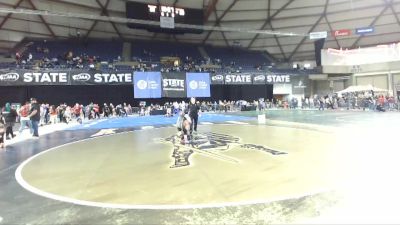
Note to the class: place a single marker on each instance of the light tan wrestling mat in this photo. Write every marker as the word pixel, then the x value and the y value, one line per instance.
pixel 226 165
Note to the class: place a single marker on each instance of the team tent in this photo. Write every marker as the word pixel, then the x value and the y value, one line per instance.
pixel 361 88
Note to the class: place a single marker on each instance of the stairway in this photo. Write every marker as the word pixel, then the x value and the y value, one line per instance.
pixel 203 52
pixel 126 51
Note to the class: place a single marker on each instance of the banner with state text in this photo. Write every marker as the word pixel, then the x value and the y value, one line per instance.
pixel 174 85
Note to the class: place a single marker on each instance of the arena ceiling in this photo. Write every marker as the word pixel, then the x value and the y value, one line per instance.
pixel 297 16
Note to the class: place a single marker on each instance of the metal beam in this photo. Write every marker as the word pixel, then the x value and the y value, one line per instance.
pixel 272 46
pixel 28 32
pixel 315 14
pixel 83 6
pixel 272 28
pixel 125 34
pixel 217 22
pixel 222 33
pixel 58 25
pixel 5 48
pixel 275 37
pixel 43 20
pixel 8 41
pixel 278 42
pixel 9 14
pixel 112 23
pixel 269 20
pixel 330 29
pixel 322 22
pixel 312 28
pixel 210 8
pixel 395 14
pixel 96 21
pixel 373 21
pixel 176 1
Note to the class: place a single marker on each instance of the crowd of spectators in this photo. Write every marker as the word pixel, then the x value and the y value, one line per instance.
pixel 69 60
pixel 42 57
pixel 63 113
pixel 349 101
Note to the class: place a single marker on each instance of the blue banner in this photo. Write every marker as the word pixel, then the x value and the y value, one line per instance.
pixel 365 30
pixel 147 84
pixel 198 84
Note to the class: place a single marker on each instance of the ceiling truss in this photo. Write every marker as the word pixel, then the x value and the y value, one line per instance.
pixel 215 14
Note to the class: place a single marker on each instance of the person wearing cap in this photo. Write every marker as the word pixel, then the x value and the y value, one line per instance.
pixel 34 115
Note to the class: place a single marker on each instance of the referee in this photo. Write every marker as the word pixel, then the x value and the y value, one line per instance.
pixel 194 114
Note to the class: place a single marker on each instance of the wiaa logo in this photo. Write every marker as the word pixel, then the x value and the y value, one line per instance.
pixel 81 77
pixel 12 77
pixel 193 84
pixel 259 78
pixel 142 84
pixel 217 78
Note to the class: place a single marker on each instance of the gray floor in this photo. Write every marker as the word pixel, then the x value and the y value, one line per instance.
pixel 372 198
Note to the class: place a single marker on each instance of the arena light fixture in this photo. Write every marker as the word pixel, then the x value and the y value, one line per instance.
pixel 145 22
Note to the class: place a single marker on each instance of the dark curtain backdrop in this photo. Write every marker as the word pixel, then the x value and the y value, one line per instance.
pixel 118 94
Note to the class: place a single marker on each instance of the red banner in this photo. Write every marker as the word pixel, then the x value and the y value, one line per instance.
pixel 340 33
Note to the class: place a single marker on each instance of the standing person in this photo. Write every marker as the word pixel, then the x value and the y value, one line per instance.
pixel 60 113
pixel 194 114
pixel 215 106
pixel 10 115
pixel 112 110
pixel 25 121
pixel 96 110
pixel 91 111
pixel 2 131
pixel 53 114
pixel 106 110
pixel 77 111
pixel 321 103
pixel 34 115
pixel 225 106
pixel 87 112
pixel 83 112
pixel 47 113
pixel 42 114
pixel 68 114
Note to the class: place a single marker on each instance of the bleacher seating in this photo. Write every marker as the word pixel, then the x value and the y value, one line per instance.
pixel 240 57
pixel 153 51
pixel 6 65
pixel 105 50
pixel 224 60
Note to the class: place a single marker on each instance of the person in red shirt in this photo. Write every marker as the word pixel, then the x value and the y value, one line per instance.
pixel 381 104
pixel 24 119
pixel 53 114
pixel 96 109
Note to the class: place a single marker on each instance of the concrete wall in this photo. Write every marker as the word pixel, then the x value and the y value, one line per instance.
pixel 324 87
pixel 379 81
